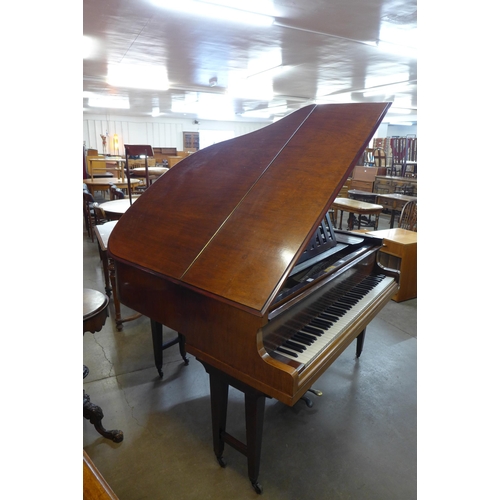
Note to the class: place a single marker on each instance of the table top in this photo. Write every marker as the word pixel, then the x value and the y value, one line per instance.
pixel 348 204
pixel 103 231
pixel 364 193
pixel 402 236
pixel 397 196
pixel 116 206
pixel 153 171
pixel 107 181
pixel 93 302
pixel 107 159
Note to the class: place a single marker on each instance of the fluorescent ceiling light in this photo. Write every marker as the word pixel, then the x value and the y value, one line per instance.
pixel 257 113
pixel 214 11
pixel 404 124
pixel 88 47
pixel 400 111
pixel 398 50
pixel 138 76
pixel 116 102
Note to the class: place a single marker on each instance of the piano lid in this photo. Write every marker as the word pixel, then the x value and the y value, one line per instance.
pixel 232 219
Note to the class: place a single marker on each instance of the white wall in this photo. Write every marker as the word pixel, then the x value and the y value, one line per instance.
pixel 167 132
pixel 156 132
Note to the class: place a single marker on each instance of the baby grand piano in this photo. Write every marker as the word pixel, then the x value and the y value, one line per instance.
pixel 234 249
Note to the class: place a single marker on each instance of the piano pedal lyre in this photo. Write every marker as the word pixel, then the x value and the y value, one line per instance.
pixel 307 401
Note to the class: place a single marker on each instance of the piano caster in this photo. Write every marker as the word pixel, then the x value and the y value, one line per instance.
pixel 307 401
pixel 222 462
pixel 257 487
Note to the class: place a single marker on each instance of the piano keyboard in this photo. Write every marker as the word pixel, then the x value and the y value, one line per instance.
pixel 328 320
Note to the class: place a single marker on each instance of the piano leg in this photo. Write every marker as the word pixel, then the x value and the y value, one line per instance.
pixel 255 402
pixel 157 333
pixel 159 346
pixel 360 340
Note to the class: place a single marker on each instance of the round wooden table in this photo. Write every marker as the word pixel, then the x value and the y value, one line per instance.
pixel 152 171
pixel 114 209
pixel 95 312
pixel 103 183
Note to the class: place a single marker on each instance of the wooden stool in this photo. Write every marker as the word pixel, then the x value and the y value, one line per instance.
pixel 355 207
pixel 95 312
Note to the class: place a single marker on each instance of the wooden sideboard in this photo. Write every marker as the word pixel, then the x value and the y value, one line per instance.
pixel 402 185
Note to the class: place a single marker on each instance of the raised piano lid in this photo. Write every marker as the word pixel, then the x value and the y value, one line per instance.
pixel 231 220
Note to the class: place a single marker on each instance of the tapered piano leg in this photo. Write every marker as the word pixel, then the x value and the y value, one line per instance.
pixel 255 402
pixel 157 334
pixel 218 394
pixel 360 340
pixel 254 412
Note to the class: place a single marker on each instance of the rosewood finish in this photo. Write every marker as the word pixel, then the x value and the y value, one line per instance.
pixel 216 240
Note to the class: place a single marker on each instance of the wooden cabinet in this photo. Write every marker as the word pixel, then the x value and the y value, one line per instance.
pixel 363 178
pixel 191 141
pixel 401 185
pixel 399 251
pixel 362 185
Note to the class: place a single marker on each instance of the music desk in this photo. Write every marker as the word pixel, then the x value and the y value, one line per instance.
pixel 355 207
pixel 400 252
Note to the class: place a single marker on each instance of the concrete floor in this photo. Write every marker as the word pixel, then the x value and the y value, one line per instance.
pixel 358 441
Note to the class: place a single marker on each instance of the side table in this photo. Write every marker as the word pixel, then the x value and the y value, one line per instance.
pixel 399 251
pixel 95 312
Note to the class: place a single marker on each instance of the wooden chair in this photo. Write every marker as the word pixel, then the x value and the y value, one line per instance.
pixel 408 216
pixel 116 193
pixel 92 214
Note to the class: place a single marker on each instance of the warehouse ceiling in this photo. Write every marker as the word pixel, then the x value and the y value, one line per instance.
pixel 164 58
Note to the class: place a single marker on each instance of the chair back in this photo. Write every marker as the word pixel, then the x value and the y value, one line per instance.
pixel 408 217
pixel 116 193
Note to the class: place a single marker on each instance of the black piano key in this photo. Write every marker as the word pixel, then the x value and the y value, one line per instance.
pixel 313 330
pixel 304 338
pixel 321 323
pixel 294 346
pixel 329 317
pixel 290 353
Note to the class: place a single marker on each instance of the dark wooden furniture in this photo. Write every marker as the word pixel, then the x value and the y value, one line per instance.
pixel 366 196
pixel 237 245
pixel 95 312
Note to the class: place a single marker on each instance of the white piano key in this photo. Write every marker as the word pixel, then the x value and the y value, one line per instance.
pixel 341 325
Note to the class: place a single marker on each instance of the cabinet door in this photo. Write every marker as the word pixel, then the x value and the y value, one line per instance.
pixel 362 185
pixel 383 186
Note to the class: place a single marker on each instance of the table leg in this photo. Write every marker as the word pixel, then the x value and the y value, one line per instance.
pixel 94 414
